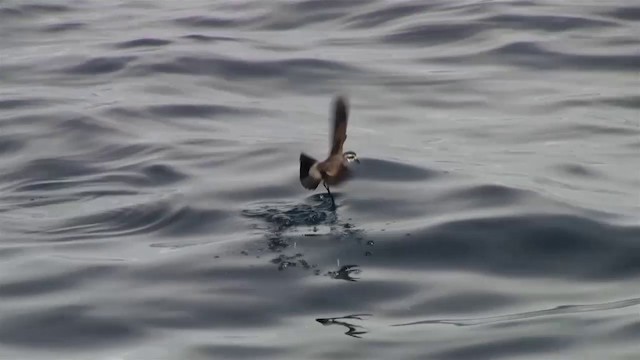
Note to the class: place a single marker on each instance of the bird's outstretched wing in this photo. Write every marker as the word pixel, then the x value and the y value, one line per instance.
pixel 310 177
pixel 340 117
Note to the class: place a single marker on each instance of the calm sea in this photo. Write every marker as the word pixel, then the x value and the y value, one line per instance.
pixel 150 207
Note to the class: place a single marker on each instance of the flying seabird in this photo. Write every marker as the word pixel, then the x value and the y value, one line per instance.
pixel 336 168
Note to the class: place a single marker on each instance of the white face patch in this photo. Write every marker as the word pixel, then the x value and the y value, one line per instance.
pixel 350 156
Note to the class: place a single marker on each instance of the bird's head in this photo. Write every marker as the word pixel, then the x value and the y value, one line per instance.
pixel 350 158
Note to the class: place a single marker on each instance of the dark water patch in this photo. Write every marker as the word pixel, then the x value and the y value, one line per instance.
pixel 455 8
pixel 57 28
pixel 21 122
pixel 551 23
pixel 100 65
pixel 559 246
pixel 10 144
pixel 579 171
pixel 69 327
pixel 631 13
pixel 31 10
pixel 433 34
pixel 391 12
pixel 31 200
pixel 633 145
pixel 629 331
pixel 172 112
pixel 239 352
pixel 10 73
pixel 162 218
pixel 143 42
pixel 196 110
pixel 239 69
pixel 487 195
pixel 87 127
pixel 90 194
pixel 124 112
pixel 296 22
pixel 162 174
pixel 209 22
pixel 386 170
pixel 45 8
pixel 207 314
pixel 395 81
pixel 448 103
pixel 209 38
pixel 533 55
pixel 10 13
pixel 506 348
pixel 47 283
pixel 630 102
pixel 320 5
pixel 6 253
pixel 21 103
pixel 48 169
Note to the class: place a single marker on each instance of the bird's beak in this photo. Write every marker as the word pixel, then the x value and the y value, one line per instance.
pixel 357 160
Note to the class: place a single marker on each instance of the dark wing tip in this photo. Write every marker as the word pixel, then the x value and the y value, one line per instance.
pixel 341 106
pixel 339 126
pixel 308 181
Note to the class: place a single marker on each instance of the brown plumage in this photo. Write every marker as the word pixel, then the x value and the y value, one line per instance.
pixel 335 168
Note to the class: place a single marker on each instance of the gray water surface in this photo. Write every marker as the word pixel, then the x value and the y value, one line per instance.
pixel 150 206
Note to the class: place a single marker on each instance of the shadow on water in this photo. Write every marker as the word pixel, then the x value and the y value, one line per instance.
pixel 352 329
pixel 282 222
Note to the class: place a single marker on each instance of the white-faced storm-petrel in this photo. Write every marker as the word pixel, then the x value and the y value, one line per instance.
pixel 336 168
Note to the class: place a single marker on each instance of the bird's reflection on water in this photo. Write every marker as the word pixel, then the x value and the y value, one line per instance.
pixel 352 329
pixel 281 224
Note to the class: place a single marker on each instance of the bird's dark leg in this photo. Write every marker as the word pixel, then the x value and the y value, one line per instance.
pixel 333 203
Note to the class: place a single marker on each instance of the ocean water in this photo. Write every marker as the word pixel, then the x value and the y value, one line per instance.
pixel 150 206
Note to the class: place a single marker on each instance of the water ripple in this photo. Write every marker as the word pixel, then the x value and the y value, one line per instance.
pixel 144 42
pixel 159 217
pixel 534 56
pixel 249 69
pixel 532 245
pixel 149 185
pixel 100 65
pixel 65 327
